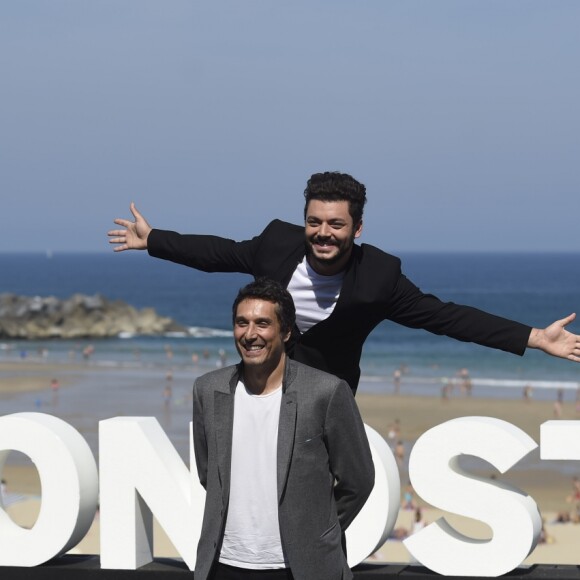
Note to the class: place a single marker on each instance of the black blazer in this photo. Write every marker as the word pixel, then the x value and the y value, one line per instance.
pixel 374 289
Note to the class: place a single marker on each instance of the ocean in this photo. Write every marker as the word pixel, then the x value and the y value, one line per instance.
pixel 532 288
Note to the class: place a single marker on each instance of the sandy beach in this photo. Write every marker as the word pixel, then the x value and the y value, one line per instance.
pixel 88 393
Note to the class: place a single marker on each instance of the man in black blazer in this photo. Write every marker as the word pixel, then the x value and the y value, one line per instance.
pixel 342 290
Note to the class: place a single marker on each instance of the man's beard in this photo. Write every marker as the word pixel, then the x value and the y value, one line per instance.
pixel 342 251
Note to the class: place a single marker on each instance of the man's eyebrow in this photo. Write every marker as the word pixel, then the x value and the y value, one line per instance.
pixel 257 320
pixel 336 220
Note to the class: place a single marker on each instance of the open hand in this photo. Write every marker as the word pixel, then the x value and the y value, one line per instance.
pixel 555 340
pixel 135 234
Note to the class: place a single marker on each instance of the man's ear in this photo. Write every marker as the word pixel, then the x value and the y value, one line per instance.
pixel 287 336
pixel 358 229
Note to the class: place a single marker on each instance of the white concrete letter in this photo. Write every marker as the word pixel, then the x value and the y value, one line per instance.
pixel 511 514
pixel 142 475
pixel 69 482
pixel 560 440
pixel 372 526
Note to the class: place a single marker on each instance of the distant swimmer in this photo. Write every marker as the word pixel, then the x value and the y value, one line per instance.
pixel 167 395
pixel 342 290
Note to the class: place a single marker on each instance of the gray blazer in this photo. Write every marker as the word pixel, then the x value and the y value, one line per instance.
pixel 325 470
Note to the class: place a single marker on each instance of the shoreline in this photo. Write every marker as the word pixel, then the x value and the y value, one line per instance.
pixel 377 382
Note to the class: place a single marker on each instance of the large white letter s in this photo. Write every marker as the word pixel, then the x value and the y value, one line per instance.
pixel 511 514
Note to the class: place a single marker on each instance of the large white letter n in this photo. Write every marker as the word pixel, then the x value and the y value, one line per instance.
pixel 142 475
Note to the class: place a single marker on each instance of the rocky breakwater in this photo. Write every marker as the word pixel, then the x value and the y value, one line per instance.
pixel 79 316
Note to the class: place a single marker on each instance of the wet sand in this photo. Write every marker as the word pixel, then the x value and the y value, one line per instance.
pixel 89 393
pixel 16 377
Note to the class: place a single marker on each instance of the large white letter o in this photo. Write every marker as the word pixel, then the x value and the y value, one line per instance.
pixel 372 526
pixel 69 481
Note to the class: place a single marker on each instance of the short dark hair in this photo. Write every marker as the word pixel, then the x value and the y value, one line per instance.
pixel 272 291
pixel 335 186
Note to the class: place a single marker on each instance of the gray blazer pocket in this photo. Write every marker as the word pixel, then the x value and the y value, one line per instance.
pixel 310 440
pixel 330 531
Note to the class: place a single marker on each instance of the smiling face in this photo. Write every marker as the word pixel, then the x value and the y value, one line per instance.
pixel 330 233
pixel 258 336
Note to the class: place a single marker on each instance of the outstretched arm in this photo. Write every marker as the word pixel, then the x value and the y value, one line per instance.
pixel 556 340
pixel 135 234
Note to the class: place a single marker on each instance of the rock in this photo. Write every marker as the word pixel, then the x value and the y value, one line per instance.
pixel 79 316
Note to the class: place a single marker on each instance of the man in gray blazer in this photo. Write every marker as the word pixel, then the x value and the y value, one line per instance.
pixel 281 451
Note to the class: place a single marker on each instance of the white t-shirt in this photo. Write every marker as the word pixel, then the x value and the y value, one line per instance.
pixel 252 533
pixel 314 295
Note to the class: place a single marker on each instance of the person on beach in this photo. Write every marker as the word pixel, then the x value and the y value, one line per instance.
pixel 558 404
pixel 342 290
pixel 393 432
pixel 281 451
pixel 574 497
pixel 400 453
pixel 397 381
pixel 419 521
pixel 408 501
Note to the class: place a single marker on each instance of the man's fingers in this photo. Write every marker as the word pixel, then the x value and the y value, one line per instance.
pixel 568 319
pixel 122 222
pixel 116 233
pixel 135 211
pixel 119 240
pixel 121 248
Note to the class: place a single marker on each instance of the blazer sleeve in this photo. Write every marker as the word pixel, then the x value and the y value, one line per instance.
pixel 349 455
pixel 409 306
pixel 199 435
pixel 206 253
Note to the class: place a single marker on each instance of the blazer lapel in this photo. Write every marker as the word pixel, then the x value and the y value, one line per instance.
pixel 224 425
pixel 347 289
pixel 345 298
pixel 286 427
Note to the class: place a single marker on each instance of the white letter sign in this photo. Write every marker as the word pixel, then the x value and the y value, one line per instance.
pixel 511 514
pixel 69 481
pixel 560 440
pixel 373 524
pixel 142 474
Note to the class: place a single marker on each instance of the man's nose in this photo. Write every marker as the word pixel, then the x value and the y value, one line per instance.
pixel 250 333
pixel 324 230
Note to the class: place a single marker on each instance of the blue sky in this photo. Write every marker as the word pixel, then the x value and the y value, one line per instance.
pixel 461 117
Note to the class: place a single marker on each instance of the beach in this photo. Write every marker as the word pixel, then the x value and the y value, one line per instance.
pixel 87 393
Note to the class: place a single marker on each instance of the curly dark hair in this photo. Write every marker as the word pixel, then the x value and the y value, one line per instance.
pixel 335 186
pixel 272 291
